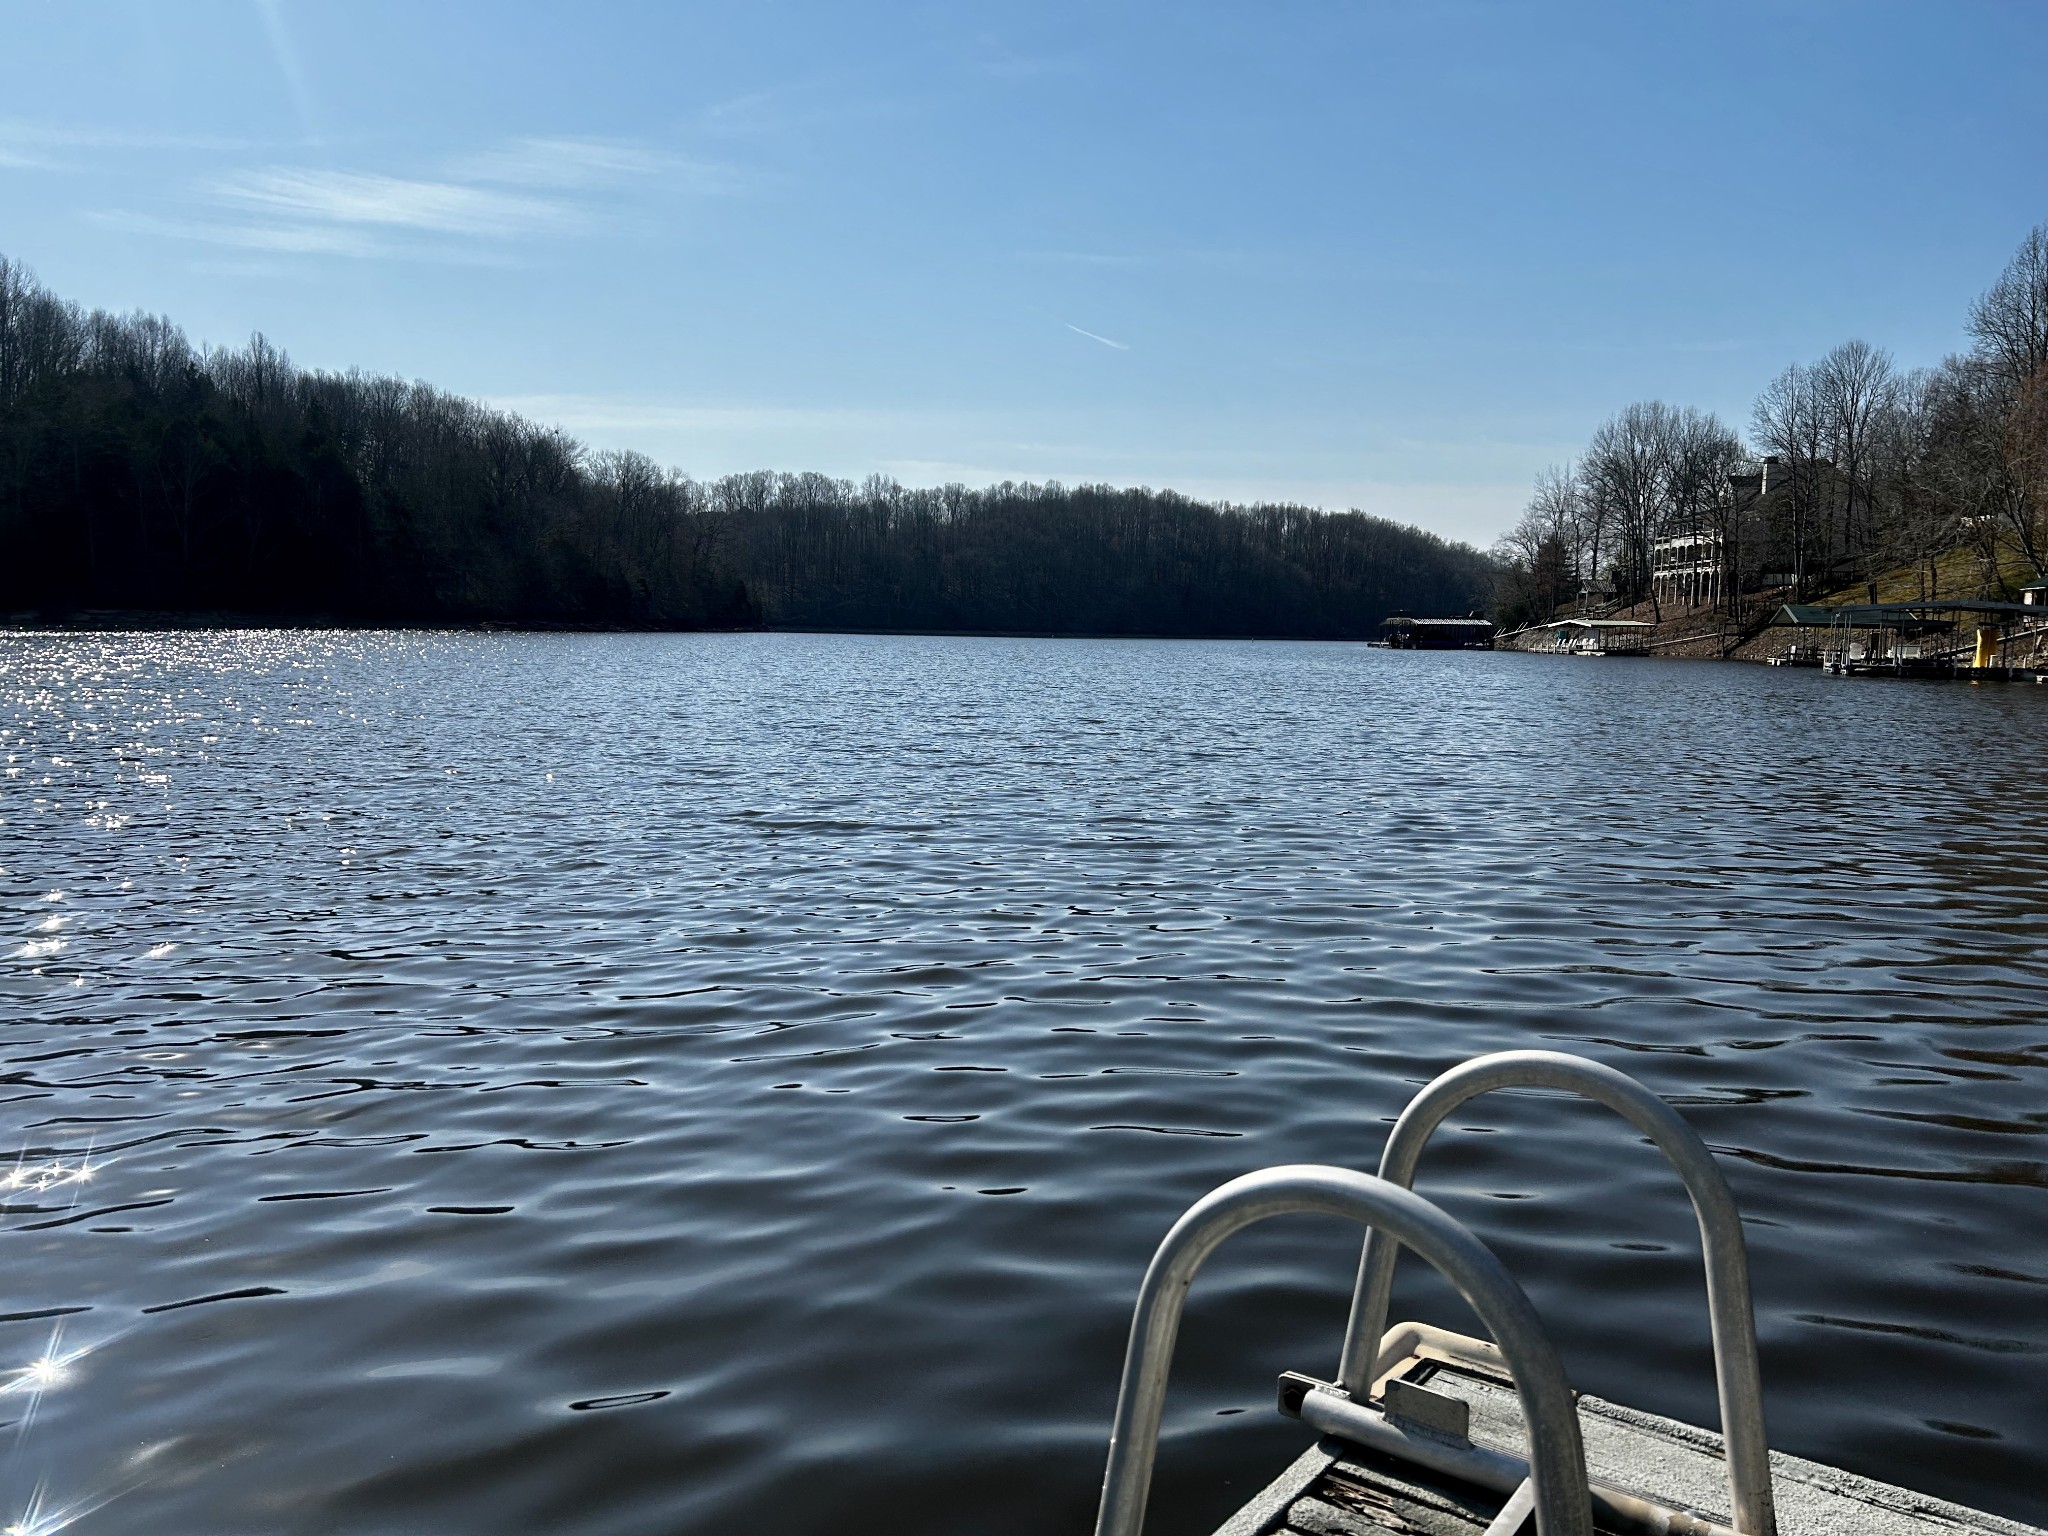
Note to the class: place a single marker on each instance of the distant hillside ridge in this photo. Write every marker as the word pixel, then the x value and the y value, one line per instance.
pixel 138 472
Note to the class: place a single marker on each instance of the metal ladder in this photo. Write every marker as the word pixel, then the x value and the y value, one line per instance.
pixel 1553 1484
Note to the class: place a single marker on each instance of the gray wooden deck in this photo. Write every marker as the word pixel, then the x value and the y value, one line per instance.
pixel 1338 1489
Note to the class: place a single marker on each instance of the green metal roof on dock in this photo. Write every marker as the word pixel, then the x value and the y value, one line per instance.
pixel 1896 615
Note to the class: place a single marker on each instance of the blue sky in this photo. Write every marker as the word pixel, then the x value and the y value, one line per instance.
pixel 1397 256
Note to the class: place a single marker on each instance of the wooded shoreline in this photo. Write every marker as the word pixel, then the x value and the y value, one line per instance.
pixel 141 473
pixel 1855 474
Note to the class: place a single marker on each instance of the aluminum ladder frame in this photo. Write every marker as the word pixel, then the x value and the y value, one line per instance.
pixel 1731 1310
pixel 1556 1490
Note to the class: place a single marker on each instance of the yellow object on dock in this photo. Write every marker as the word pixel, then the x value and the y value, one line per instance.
pixel 1987 649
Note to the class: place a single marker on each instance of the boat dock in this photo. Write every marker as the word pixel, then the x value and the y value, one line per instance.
pixel 2007 642
pixel 1595 637
pixel 1403 632
pixel 1426 1432
pixel 1648 1476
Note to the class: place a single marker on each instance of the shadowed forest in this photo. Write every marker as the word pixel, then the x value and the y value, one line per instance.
pixel 138 472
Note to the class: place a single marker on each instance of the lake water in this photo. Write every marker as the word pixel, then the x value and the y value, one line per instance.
pixel 648 1084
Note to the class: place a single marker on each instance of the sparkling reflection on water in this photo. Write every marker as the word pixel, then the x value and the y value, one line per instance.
pixel 605 1084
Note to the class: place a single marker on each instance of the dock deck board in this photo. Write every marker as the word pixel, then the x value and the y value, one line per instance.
pixel 1339 1489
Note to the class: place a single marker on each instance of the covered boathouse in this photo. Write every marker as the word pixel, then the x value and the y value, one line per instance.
pixel 1596 637
pixel 1404 633
pixel 1921 639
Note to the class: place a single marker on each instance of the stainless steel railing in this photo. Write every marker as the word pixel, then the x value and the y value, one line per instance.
pixel 1557 1461
pixel 1738 1381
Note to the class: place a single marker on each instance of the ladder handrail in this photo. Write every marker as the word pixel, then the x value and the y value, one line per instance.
pixel 1557 1459
pixel 1738 1381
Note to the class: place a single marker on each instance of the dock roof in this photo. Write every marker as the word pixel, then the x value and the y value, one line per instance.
pixel 1892 615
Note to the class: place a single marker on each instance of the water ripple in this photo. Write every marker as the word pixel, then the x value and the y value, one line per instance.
pixel 617 1084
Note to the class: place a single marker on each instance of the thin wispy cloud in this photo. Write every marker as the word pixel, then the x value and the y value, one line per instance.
pixel 300 239
pixel 752 112
pixel 996 59
pixel 1120 346
pixel 1086 258
pixel 42 147
pixel 564 163
pixel 1163 256
pixel 833 100
pixel 573 164
pixel 366 198
pixel 473 207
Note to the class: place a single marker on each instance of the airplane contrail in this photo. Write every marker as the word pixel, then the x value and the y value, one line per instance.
pixel 1093 337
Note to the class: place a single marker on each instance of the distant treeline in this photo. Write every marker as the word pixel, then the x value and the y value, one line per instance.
pixel 140 472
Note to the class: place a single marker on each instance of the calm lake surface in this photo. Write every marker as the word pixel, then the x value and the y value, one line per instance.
pixel 646 1084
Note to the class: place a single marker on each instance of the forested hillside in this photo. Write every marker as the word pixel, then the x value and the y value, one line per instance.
pixel 139 472
pixel 1853 468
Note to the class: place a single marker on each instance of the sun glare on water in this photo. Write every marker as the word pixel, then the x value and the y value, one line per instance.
pixel 48 1175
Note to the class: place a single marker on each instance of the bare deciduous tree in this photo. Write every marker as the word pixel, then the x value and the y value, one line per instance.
pixel 2010 322
pixel 1701 453
pixel 1852 386
pixel 1625 464
pixel 1785 424
pixel 1539 557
